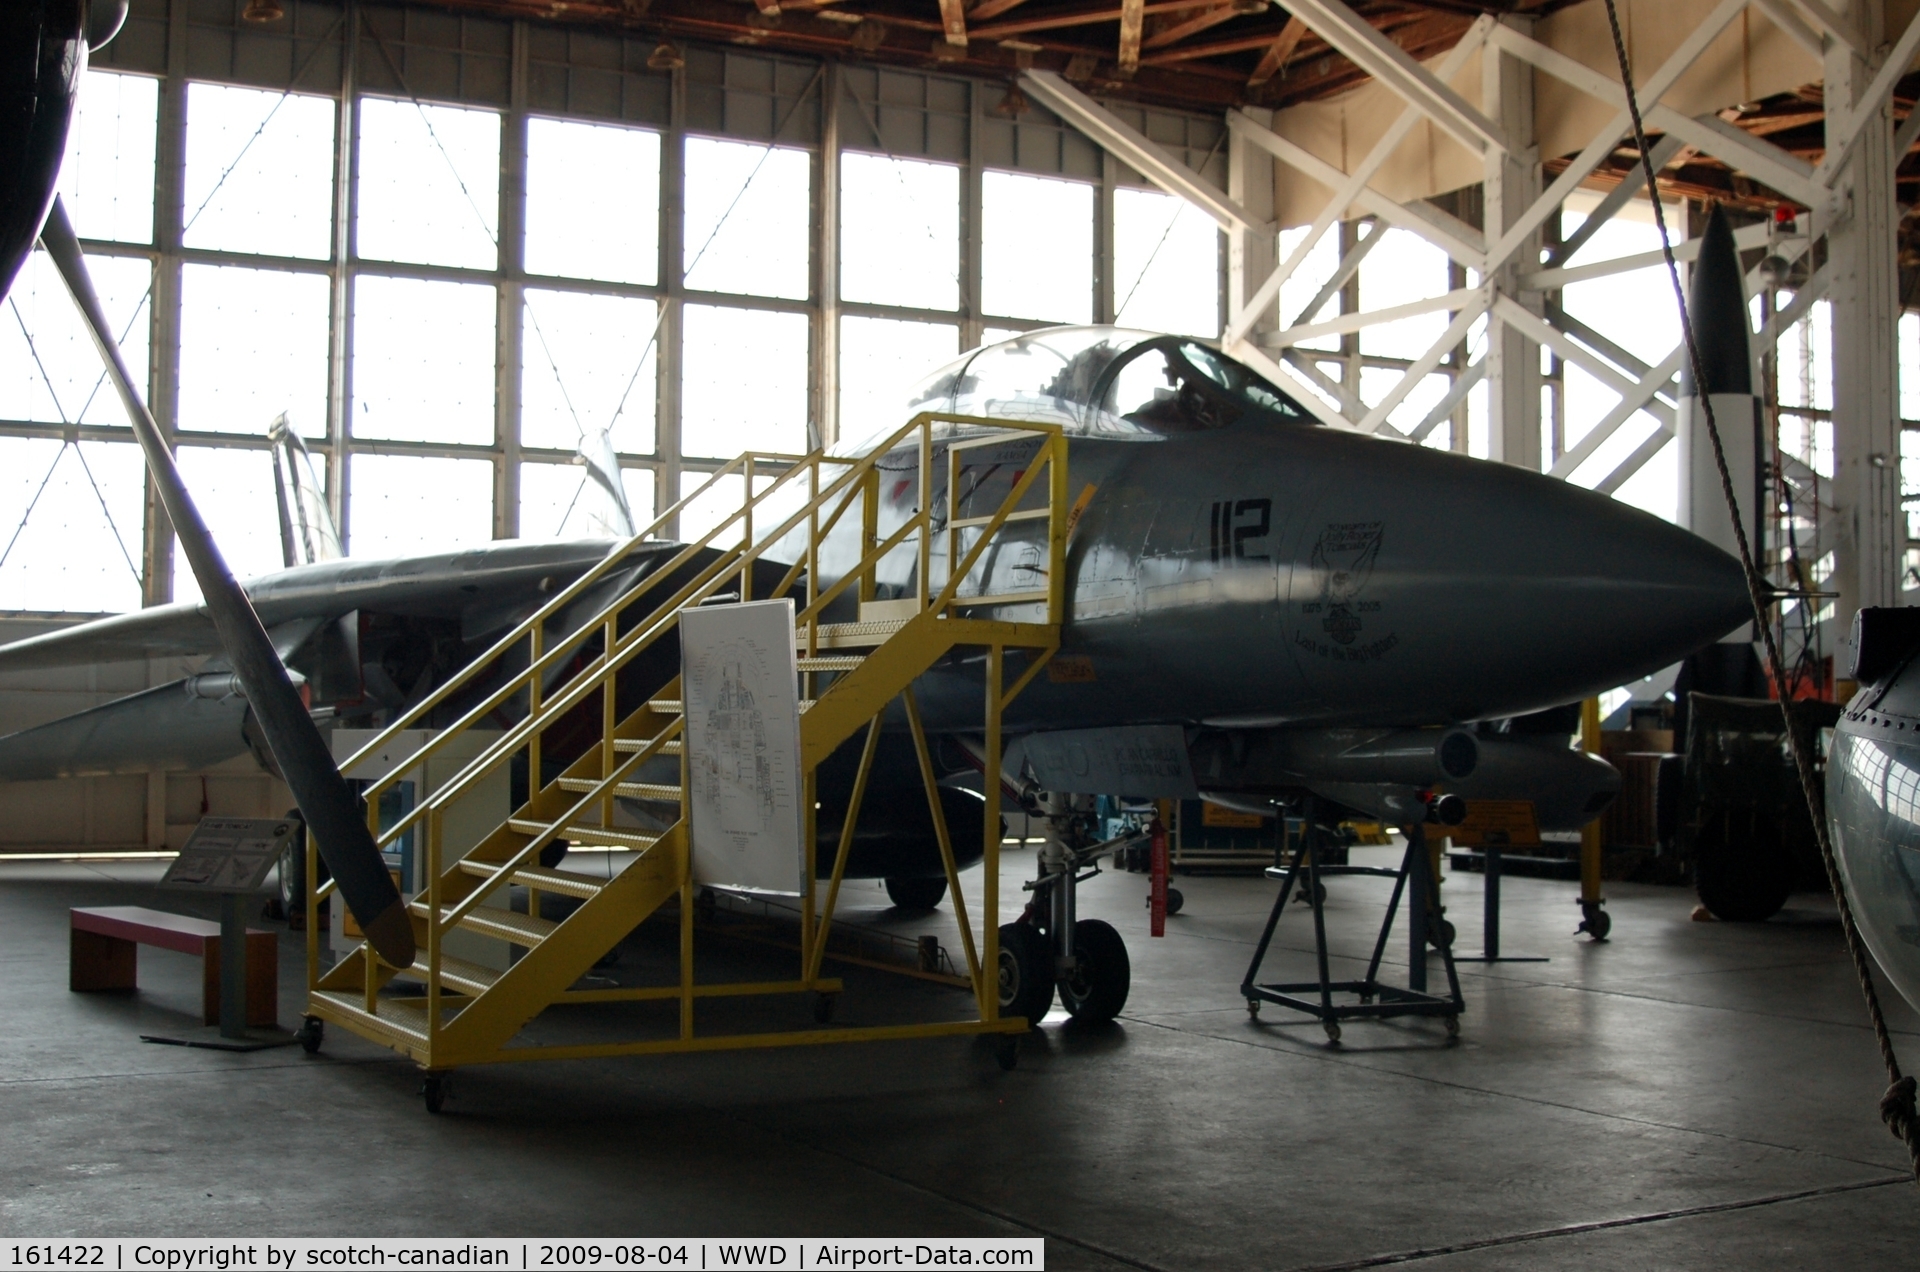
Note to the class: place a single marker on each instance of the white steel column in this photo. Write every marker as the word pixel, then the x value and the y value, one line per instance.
pixel 1512 186
pixel 1866 310
pixel 1252 253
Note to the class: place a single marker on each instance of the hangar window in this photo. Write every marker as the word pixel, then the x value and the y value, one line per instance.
pixel 593 202
pixel 429 184
pixel 107 178
pixel 558 501
pixel 253 345
pixel 1166 264
pixel 71 516
pixel 746 218
pixel 259 175
pixel 233 488
pixel 881 359
pixel 724 408
pixel 1403 267
pixel 899 232
pixel 51 370
pixel 587 363
pixel 405 505
pixel 1043 275
pixel 423 360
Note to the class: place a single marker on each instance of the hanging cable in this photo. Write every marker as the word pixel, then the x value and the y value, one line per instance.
pixel 1897 1105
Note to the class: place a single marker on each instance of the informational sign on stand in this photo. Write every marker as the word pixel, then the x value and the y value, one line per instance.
pixel 230 854
pixel 740 682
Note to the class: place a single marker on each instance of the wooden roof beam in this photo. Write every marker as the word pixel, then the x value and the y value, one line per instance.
pixel 1278 52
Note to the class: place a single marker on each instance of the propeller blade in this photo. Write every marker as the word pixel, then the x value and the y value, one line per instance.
pixel 330 807
pixel 43 53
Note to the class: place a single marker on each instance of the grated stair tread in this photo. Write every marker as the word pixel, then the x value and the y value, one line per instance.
pixel 457 974
pixel 502 925
pixel 564 882
pixel 837 662
pixel 629 746
pixel 402 1027
pixel 585 835
pixel 852 635
pixel 632 790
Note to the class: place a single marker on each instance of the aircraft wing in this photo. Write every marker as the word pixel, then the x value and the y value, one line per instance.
pixel 485 588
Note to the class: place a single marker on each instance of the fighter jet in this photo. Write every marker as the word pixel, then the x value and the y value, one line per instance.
pixel 1260 606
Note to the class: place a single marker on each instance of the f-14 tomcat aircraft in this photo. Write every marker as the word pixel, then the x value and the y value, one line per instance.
pixel 1259 605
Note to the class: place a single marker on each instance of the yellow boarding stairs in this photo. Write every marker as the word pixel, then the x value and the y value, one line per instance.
pixel 850 673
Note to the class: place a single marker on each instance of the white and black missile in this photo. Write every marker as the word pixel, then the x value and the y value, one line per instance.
pixel 1717 306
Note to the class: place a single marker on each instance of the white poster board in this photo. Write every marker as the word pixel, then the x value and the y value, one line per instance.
pixel 229 854
pixel 741 689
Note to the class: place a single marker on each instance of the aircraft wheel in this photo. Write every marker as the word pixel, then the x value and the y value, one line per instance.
pixel 1096 989
pixel 1741 869
pixel 1026 973
pixel 434 1090
pixel 312 1032
pixel 917 894
pixel 1174 900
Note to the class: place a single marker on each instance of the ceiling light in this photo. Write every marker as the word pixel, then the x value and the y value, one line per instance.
pixel 665 58
pixel 262 11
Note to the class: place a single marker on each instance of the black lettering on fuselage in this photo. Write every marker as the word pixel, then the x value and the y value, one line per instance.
pixel 1231 525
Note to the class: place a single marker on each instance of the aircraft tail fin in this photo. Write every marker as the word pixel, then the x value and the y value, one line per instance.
pixel 615 515
pixel 307 532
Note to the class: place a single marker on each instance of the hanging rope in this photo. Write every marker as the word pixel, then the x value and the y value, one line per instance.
pixel 1897 1105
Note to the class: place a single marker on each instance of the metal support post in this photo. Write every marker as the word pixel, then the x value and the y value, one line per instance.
pixel 1419 888
pixel 1512 186
pixel 1252 253
pixel 233 965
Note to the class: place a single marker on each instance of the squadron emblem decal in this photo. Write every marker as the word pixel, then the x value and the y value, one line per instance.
pixel 1343 558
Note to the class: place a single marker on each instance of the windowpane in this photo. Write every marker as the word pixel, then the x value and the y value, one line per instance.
pixel 1402 269
pixel 423 360
pixel 1306 281
pixel 747 212
pixel 1037 250
pixel 49 369
pixel 743 383
pixel 558 502
pixel 234 491
pixel 107 178
pixel 880 361
pixel 1166 264
pixel 253 343
pixel 259 171
pixel 587 362
pixel 723 501
pixel 899 232
pixel 593 201
pixel 71 520
pixel 429 184
pixel 409 505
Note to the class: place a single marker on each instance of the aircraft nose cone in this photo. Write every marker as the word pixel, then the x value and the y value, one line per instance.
pixel 1501 590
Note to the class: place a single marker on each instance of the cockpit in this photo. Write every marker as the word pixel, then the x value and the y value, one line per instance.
pixel 1104 382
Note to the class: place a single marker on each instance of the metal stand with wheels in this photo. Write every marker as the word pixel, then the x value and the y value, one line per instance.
pixel 1490 924
pixel 1374 1001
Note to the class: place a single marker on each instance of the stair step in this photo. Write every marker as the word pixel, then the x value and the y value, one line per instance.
pixel 582 836
pixel 502 925
pixel 632 790
pixel 564 882
pixel 457 974
pixel 852 635
pixel 666 706
pixel 631 746
pixel 401 1027
pixel 838 662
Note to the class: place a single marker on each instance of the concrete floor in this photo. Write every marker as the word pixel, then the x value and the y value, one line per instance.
pixel 1686 1094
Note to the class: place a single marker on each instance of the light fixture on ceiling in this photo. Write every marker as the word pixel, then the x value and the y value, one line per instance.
pixel 665 57
pixel 261 12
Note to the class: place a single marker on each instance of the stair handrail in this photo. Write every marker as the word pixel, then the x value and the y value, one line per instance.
pixel 589 676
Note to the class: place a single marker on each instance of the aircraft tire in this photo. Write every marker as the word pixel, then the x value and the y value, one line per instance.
pixel 1175 900
pixel 916 893
pixel 1740 868
pixel 1026 973
pixel 1097 989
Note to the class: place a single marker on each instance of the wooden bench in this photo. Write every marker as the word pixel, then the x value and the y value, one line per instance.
pixel 106 941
